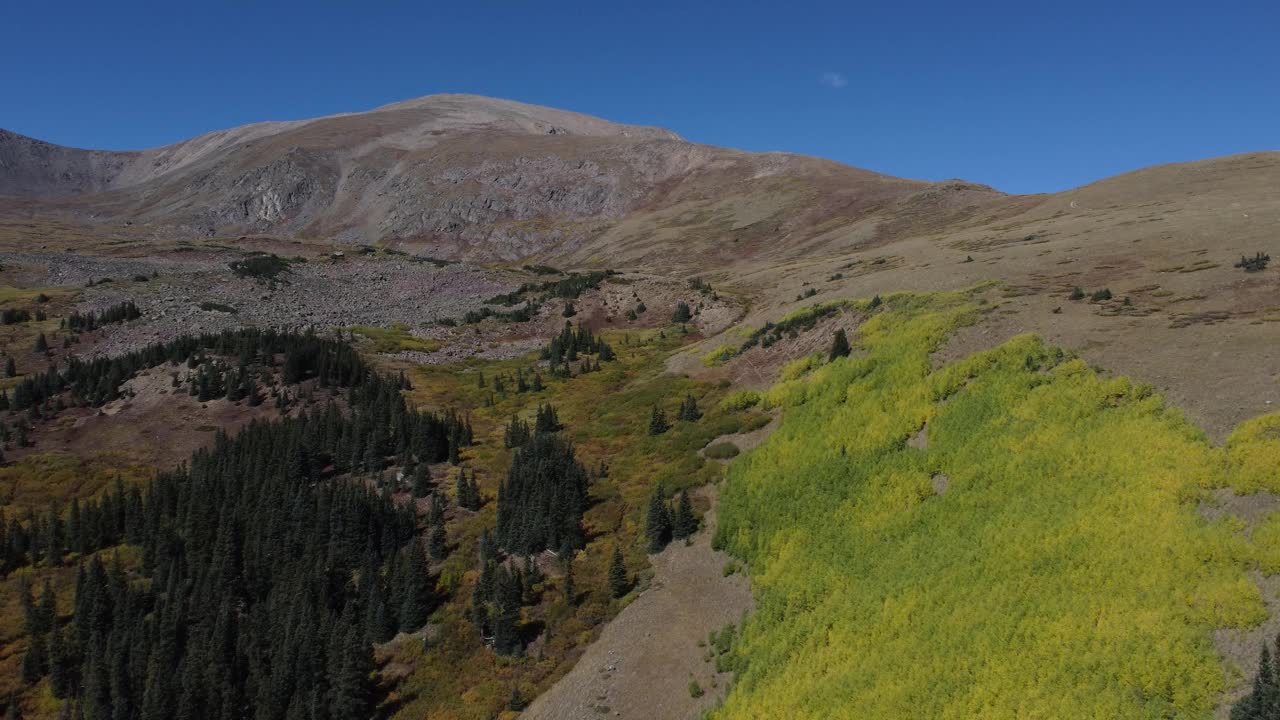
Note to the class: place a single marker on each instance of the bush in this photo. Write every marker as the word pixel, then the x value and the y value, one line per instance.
pixel 740 400
pixel 260 267
pixel 1255 263
pixel 721 451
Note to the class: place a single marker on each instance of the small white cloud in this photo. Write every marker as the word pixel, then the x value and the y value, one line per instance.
pixel 834 79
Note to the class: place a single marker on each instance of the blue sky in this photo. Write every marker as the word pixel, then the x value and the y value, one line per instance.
pixel 1008 94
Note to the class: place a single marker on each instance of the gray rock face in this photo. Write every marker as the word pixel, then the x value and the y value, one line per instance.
pixel 454 175
pixel 34 167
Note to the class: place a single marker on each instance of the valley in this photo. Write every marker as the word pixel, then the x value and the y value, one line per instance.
pixel 464 408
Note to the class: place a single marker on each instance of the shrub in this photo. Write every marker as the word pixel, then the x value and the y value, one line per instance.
pixel 740 400
pixel 719 355
pixel 721 451
pixel 1255 263
pixel 210 306
pixel 1049 463
pixel 260 267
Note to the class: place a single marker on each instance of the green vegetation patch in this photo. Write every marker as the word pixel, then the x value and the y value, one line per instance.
pixel 1063 571
pixel 396 338
pixel 721 451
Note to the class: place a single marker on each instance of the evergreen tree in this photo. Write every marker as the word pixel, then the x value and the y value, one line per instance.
pixel 547 420
pixel 416 589
pixel 42 344
pixel 658 520
pixel 658 421
pixel 682 313
pixel 685 522
pixel 506 614
pixel 840 345
pixel 618 584
pixel 1263 702
pixel 350 688
pixel 437 544
pixel 10 367
pixel 517 433
pixel 421 481
pixel 567 588
pixel 540 504
pixel 689 411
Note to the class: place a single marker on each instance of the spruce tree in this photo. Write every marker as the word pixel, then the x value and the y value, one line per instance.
pixel 658 421
pixel 682 313
pixel 840 345
pixel 567 589
pixel 415 603
pixel 42 344
pixel 685 522
pixel 618 584
pixel 689 411
pixel 658 520
pixel 421 481
pixel 437 543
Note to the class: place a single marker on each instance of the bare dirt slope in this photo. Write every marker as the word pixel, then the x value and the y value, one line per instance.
pixel 642 664
pixel 465 176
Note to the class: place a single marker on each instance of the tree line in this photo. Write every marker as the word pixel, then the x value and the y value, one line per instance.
pixel 263 574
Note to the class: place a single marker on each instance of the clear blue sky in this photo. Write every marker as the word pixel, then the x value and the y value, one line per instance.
pixel 1024 96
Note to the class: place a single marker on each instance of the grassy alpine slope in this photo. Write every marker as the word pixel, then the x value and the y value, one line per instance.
pixel 1062 571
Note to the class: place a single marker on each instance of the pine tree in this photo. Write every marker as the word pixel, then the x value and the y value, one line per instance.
pixel 59 664
pixel 567 588
pixel 10 367
pixel 658 421
pixel 618 584
pixel 685 522
pixel 437 543
pixel 840 345
pixel 689 411
pixel 1262 702
pixel 682 313
pixel 658 520
pixel 421 481
pixel 350 690
pixel 416 590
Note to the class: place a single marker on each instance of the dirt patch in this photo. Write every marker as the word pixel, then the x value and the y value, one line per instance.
pixel 1239 647
pixel 644 660
pixel 1250 508
pixel 920 440
pixel 155 423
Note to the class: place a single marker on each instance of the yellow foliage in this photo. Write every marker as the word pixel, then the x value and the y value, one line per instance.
pixel 1063 573
pixel 1253 451
pixel 740 400
pixel 719 355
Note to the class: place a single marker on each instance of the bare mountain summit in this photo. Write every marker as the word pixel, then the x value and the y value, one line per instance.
pixel 462 175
